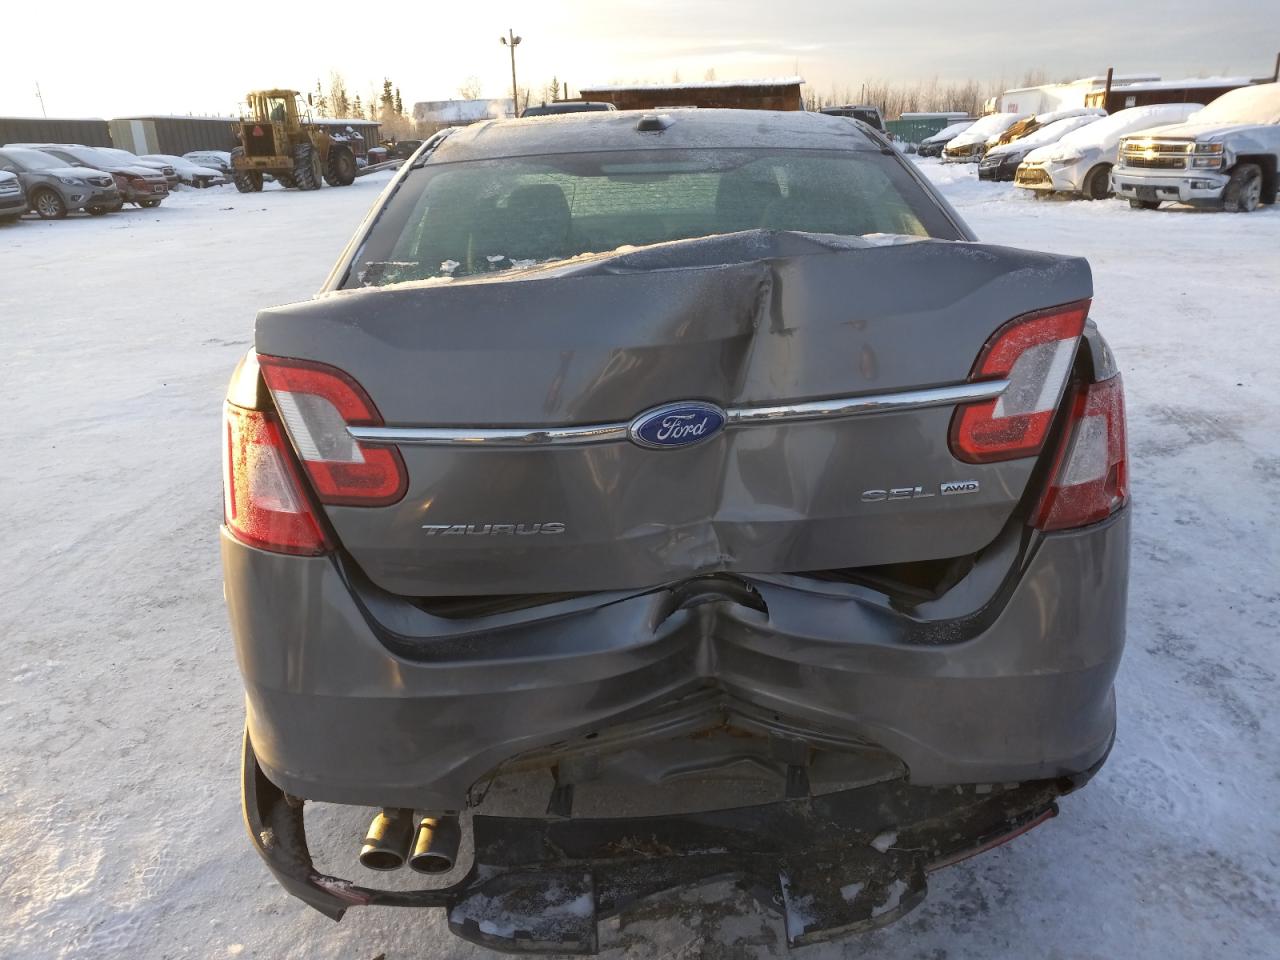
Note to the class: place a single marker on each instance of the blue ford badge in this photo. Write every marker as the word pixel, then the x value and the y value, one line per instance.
pixel 677 425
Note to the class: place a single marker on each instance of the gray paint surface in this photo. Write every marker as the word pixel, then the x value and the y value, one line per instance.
pixel 752 319
pixel 335 714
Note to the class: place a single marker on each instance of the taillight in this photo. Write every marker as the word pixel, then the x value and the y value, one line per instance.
pixel 317 403
pixel 263 502
pixel 1090 478
pixel 1033 353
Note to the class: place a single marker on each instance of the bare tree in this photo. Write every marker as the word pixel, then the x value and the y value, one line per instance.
pixel 710 75
pixel 339 101
pixel 470 88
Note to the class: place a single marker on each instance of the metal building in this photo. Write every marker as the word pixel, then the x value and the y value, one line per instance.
pixel 778 93
pixel 92 133
pixel 173 135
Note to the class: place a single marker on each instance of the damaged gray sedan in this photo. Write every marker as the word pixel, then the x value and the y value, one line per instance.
pixel 701 476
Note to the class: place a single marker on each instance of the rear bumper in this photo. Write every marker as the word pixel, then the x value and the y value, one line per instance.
pixel 398 708
pixel 13 204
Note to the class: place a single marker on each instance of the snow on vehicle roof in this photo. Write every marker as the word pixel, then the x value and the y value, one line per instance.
pixel 1053 116
pixel 948 132
pixel 685 130
pixel 693 85
pixel 984 127
pixel 1106 133
pixel 1256 104
pixel 1049 133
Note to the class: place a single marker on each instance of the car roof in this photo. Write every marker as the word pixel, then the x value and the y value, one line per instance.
pixel 589 132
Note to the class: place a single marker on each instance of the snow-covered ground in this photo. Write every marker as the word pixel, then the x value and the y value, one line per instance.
pixel 120 834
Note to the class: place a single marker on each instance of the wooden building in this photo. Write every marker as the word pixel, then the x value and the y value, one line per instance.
pixel 778 93
pixel 1144 94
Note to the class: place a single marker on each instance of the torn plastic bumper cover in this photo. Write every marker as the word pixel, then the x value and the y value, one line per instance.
pixel 831 865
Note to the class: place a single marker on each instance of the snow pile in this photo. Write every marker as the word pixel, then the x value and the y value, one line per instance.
pixel 1257 104
pixel 1043 136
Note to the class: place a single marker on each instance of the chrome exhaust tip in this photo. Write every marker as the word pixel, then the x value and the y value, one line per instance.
pixel 386 846
pixel 435 850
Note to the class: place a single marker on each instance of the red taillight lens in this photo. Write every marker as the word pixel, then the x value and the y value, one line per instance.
pixel 263 503
pixel 317 403
pixel 1033 353
pixel 1090 479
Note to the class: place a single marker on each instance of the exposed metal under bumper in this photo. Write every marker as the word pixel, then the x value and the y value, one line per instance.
pixel 837 864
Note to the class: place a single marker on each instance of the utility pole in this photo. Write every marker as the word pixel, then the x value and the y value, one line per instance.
pixel 40 96
pixel 511 41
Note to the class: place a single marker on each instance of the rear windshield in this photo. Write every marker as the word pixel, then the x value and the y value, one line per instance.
pixel 469 218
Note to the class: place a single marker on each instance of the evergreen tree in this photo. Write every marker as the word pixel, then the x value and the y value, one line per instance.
pixel 399 104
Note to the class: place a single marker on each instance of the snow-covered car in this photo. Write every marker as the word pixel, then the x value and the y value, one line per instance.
pixel 1081 162
pixel 55 187
pixel 214 159
pixel 807 567
pixel 192 174
pixel 1225 155
pixel 1033 122
pixel 13 198
pixel 932 146
pixel 970 145
pixel 137 183
pixel 1001 162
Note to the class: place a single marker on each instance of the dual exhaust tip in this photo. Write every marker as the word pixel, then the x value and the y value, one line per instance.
pixel 393 840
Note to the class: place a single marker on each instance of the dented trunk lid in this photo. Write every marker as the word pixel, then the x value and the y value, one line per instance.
pixel 745 322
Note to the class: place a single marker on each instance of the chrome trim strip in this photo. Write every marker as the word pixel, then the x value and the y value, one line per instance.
pixel 493 437
pixel 834 409
pixel 866 405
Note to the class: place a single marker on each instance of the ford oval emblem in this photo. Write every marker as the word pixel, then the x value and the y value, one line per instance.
pixel 677 425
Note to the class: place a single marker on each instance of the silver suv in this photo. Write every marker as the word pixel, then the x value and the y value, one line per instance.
pixel 55 189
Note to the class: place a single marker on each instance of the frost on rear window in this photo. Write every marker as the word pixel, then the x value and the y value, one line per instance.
pixel 474 218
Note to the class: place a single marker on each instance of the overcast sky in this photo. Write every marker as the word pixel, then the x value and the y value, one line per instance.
pixel 201 58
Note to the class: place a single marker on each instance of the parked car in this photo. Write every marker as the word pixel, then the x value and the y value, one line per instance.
pixel 1030 124
pixel 1081 162
pixel 126 157
pixel 13 198
pixel 55 188
pixel 219 160
pixel 193 175
pixel 1001 163
pixel 139 184
pixel 970 145
pixel 863 556
pixel 1225 155
pixel 933 146
pixel 567 106
pixel 867 114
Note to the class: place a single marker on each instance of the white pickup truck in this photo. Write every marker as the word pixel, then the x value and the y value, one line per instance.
pixel 1225 155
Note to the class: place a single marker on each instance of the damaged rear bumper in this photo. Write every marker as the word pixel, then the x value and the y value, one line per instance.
pixel 1007 677
pixel 831 865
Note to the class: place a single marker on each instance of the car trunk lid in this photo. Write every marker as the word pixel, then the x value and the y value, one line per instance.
pixel 788 334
